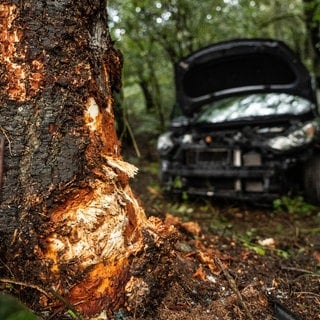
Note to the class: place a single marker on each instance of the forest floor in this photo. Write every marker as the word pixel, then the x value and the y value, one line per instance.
pixel 237 261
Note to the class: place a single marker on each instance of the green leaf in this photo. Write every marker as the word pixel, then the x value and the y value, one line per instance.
pixel 259 250
pixel 12 309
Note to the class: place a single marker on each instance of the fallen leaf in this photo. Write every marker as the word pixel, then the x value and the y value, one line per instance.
pixel 200 274
pixel 192 227
pixel 269 242
pixel 316 255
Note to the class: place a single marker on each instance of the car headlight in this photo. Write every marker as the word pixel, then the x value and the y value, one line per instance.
pixel 187 138
pixel 295 139
pixel 165 143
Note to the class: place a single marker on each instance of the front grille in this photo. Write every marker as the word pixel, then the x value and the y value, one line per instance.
pixel 217 157
pixel 254 186
pixel 209 157
pixel 252 159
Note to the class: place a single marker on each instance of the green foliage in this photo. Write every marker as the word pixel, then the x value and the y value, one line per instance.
pixel 185 196
pixel 177 183
pixel 255 247
pixel 248 240
pixel 314 7
pixel 154 35
pixel 295 205
pixel 282 253
pixel 12 309
pixel 72 314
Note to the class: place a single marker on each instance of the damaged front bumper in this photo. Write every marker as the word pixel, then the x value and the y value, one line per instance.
pixel 228 173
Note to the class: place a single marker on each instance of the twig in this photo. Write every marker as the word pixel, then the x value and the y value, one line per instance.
pixel 233 286
pixel 51 294
pixel 301 271
pixel 299 293
pixel 23 284
pixel 5 265
pixel 66 303
pixel 133 139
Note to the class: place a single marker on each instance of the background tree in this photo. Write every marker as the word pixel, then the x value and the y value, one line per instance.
pixel 156 34
pixel 312 16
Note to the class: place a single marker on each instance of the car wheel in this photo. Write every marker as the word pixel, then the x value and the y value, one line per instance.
pixel 312 180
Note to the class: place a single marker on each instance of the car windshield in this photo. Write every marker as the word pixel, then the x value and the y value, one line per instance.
pixel 253 106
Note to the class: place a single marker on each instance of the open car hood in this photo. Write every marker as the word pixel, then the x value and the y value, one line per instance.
pixel 239 67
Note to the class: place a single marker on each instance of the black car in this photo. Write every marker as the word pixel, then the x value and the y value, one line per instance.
pixel 248 125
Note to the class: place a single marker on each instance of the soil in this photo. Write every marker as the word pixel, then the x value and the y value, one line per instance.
pixel 233 260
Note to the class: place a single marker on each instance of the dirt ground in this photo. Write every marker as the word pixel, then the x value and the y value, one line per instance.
pixel 234 261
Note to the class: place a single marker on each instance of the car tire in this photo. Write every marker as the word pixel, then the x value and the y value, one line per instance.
pixel 312 180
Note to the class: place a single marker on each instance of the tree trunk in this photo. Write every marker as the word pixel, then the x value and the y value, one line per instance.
pixel 311 9
pixel 68 218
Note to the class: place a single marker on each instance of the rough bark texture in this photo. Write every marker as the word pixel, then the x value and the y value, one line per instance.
pixel 311 9
pixel 68 218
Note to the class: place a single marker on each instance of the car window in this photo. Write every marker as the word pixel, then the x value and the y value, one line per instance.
pixel 253 106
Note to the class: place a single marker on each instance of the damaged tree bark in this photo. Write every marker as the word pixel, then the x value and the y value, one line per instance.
pixel 68 218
